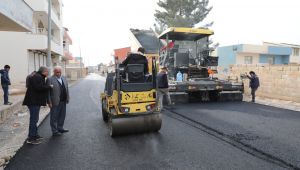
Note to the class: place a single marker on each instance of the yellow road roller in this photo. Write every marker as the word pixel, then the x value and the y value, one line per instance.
pixel 129 100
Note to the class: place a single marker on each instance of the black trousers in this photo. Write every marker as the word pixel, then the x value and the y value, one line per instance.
pixel 253 90
pixel 5 93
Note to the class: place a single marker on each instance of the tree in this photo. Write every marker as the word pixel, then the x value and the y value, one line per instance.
pixel 180 13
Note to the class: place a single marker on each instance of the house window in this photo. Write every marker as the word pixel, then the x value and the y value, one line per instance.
pixel 296 51
pixel 248 59
pixel 271 60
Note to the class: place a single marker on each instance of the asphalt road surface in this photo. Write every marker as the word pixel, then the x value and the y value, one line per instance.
pixel 194 136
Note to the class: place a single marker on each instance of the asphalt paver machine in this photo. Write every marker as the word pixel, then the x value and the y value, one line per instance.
pixel 187 52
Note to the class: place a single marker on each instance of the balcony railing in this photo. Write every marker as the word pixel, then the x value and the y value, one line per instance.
pixel 44 31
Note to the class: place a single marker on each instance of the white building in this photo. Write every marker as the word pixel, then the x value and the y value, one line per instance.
pixel 26 52
pixel 15 15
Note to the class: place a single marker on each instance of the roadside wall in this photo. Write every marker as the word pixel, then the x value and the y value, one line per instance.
pixel 276 81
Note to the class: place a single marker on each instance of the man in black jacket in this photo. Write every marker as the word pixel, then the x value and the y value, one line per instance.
pixel 254 83
pixel 5 83
pixel 36 96
pixel 163 87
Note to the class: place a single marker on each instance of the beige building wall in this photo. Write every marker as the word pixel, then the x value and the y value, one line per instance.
pixel 261 49
pixel 240 58
pixel 13 53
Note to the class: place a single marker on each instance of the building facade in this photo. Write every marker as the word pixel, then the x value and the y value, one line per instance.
pixel 15 15
pixel 75 69
pixel 122 53
pixel 295 56
pixel 244 54
pixel 26 52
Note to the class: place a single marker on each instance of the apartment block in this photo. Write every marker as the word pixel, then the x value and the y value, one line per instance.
pixel 26 52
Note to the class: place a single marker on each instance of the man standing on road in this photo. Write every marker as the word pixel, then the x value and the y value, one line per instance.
pixel 57 100
pixel 5 83
pixel 254 83
pixel 163 87
pixel 35 97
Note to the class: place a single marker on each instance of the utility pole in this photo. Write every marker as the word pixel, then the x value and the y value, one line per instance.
pixel 49 60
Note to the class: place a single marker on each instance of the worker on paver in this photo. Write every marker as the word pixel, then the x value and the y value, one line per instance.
pixel 163 87
pixel 5 83
pixel 254 83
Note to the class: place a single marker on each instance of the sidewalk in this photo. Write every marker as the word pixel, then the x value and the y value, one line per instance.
pixel 289 105
pixel 16 97
pixel 14 127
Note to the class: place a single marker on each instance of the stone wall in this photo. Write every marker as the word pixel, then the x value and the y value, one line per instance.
pixel 276 81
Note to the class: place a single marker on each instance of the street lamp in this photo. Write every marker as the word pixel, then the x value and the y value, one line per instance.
pixel 49 60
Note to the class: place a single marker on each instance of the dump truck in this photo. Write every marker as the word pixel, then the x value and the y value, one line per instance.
pixel 186 54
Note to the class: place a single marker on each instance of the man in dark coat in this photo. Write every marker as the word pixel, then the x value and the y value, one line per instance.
pixel 163 87
pixel 5 83
pixel 36 96
pixel 137 58
pixel 254 84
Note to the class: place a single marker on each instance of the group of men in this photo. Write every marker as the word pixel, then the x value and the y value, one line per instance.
pixel 42 90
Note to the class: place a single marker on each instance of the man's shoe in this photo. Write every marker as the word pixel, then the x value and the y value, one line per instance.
pixel 8 103
pixel 38 137
pixel 33 141
pixel 56 134
pixel 63 131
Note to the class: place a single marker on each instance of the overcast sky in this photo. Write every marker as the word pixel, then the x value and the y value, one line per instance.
pixel 101 26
